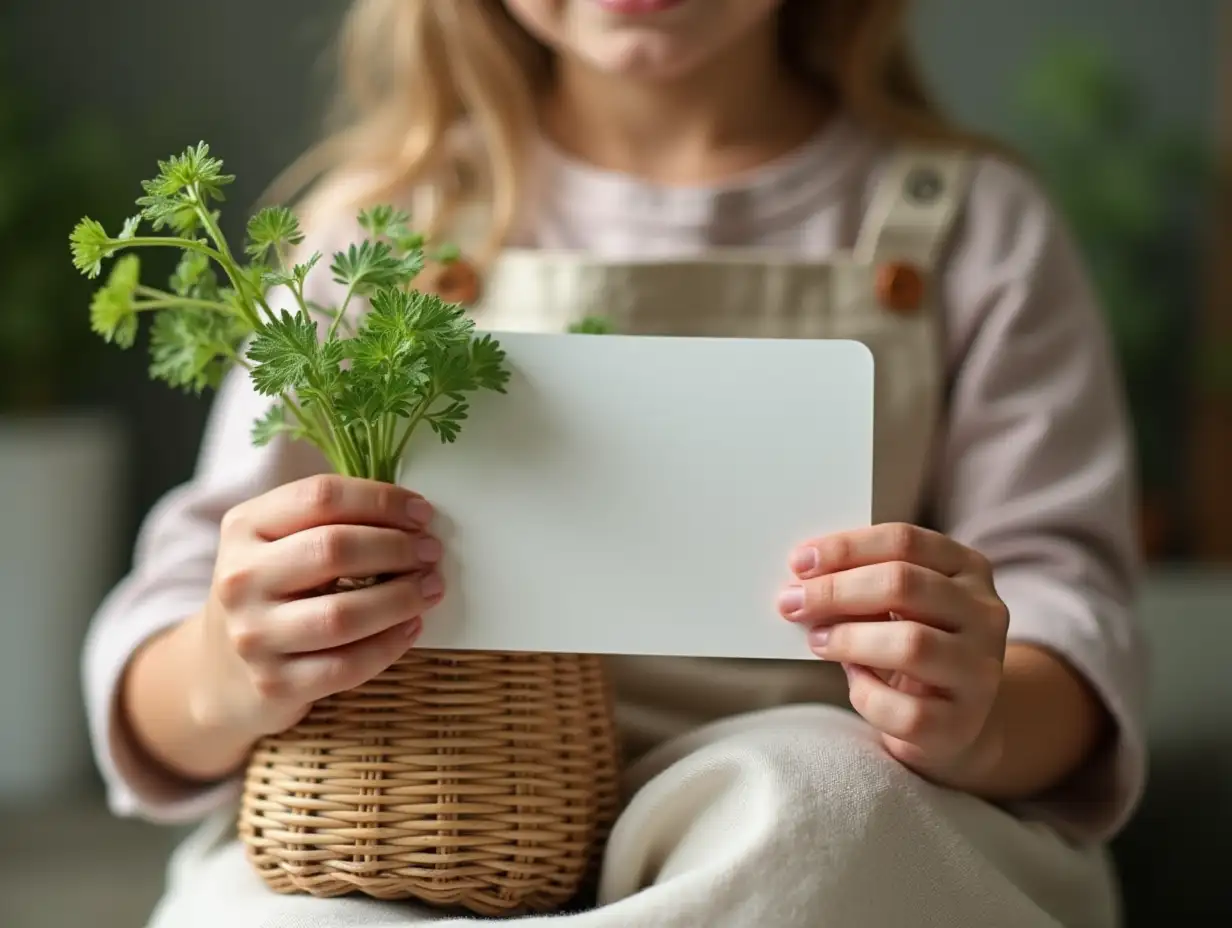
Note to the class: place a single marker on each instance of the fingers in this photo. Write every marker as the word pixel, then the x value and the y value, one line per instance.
pixel 318 556
pixel 925 688
pixel 926 727
pixel 323 673
pixel 327 499
pixel 907 589
pixel 925 722
pixel 928 681
pixel 889 542
pixel 321 623
pixel 928 655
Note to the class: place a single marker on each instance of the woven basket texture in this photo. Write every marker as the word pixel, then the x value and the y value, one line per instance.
pixel 481 781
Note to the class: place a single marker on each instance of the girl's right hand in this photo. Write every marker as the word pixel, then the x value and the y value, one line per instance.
pixel 271 643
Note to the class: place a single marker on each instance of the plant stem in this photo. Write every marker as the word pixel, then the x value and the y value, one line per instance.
pixel 354 455
pixel 171 241
pixel 341 314
pixel 413 421
pixel 312 429
pixel 385 437
pixel 172 301
pixel 326 436
pixel 346 444
pixel 225 258
pixel 186 244
pixel 374 459
pixel 239 360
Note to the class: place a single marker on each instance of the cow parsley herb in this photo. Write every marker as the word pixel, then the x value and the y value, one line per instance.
pixel 355 390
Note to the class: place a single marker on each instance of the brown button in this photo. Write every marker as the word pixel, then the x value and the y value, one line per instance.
pixel 455 281
pixel 900 286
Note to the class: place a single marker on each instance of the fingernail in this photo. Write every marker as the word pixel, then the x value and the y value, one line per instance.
pixel 428 550
pixel 819 637
pixel 420 511
pixel 432 586
pixel 791 600
pixel 805 561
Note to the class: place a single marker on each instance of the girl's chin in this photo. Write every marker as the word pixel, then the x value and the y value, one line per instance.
pixel 643 57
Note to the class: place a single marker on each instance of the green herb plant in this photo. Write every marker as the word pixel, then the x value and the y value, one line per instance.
pixel 592 325
pixel 356 389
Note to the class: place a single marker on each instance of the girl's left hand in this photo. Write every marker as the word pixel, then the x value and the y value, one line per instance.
pixel 915 621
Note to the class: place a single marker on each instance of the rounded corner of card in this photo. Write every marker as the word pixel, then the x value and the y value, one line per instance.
pixel 863 362
pixel 861 350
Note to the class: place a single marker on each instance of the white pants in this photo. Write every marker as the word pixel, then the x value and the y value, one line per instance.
pixel 788 818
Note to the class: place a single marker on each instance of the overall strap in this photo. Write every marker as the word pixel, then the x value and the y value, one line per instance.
pixel 914 206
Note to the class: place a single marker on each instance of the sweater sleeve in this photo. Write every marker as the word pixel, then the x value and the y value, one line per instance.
pixel 170 579
pixel 1036 472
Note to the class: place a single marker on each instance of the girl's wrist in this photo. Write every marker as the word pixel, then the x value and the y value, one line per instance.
pixel 167 695
pixel 208 705
pixel 1045 724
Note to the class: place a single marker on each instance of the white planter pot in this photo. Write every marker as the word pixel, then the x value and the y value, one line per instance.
pixel 59 526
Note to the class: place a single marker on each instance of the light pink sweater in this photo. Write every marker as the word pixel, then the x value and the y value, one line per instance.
pixel 1033 465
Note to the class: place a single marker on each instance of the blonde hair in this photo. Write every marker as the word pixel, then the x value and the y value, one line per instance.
pixel 413 72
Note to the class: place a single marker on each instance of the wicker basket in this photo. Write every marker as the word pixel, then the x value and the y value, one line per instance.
pixel 479 780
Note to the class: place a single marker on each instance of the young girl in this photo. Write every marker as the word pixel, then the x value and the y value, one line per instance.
pixel 969 735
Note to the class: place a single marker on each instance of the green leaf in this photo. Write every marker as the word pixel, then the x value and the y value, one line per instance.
pixel 405 240
pixel 295 278
pixel 370 266
pixel 131 227
pixel 185 183
pixel 175 214
pixel 193 348
pixel 195 277
pixel 447 423
pixel 389 369
pixel 254 276
pixel 448 254
pixel 592 325
pixel 477 364
pixel 288 357
pixel 91 246
pixel 273 424
pixel 412 347
pixel 113 313
pixel 401 320
pixel 275 228
pixel 381 220
pixel 195 169
pixel 487 364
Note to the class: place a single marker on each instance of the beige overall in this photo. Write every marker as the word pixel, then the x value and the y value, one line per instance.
pixel 758 798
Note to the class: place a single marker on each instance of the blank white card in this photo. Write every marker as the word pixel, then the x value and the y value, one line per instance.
pixel 641 495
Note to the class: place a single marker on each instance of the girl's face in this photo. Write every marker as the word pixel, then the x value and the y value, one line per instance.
pixel 645 39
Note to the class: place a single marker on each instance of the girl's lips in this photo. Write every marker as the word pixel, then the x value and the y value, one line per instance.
pixel 637 7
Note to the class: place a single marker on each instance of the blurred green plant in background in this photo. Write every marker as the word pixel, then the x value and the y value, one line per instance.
pixel 1137 197
pixel 49 177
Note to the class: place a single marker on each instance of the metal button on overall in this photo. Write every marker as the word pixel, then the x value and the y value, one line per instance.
pixel 923 186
